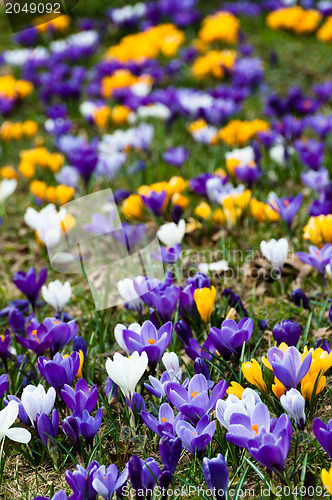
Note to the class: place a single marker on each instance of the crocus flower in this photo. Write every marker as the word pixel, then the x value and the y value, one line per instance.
pixel 204 300
pixel 230 337
pixel 196 439
pixel 30 283
pixel 107 481
pixel 244 427
pixel 4 385
pixel 287 208
pixel 316 180
pixel 165 423
pixel 7 417
pixel 288 366
pixel 317 258
pixel 127 291
pixel 143 474
pixel 234 300
pixel 253 373
pixel 47 427
pixel 326 477
pixel 323 433
pixel 57 294
pixel 275 251
pixel 287 331
pixel 216 475
pixel 71 428
pixel 311 153
pixel 37 338
pixel 60 495
pixel 271 448
pixel 176 156
pixel 300 299
pixel 195 402
pixel 170 452
pixel 81 398
pixel 80 480
pixel 37 401
pixel 60 370
pixel 172 234
pixel 61 333
pixel 89 425
pixel 155 201
pixel 234 404
pixel 150 340
pixel 126 372
pixel 7 187
pixel 293 403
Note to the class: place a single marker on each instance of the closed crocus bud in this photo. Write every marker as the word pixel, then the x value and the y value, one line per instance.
pixel 288 332
pixel 47 427
pixel 37 401
pixel 204 300
pixel 183 330
pixel 216 475
pixel 300 299
pixel 79 344
pixel 170 451
pixel 253 374
pixel 293 403
pixel 71 427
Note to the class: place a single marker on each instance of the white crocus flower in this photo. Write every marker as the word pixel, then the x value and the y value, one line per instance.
pixel 135 327
pixel 7 417
pixel 244 156
pixel 57 294
pixel 221 265
pixel 293 403
pixel 37 400
pixel 171 234
pixel 275 251
pixel 47 223
pixel 172 365
pixel 245 406
pixel 126 372
pixel 7 187
pixel 127 291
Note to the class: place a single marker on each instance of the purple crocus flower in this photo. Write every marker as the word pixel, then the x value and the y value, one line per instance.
pixel 317 258
pixel 71 428
pixel 154 342
pixel 300 299
pixel 155 201
pixel 81 398
pixel 158 387
pixel 61 495
pixel 216 475
pixel 270 448
pixel 89 425
pixel 176 156
pixel 30 283
pixel 170 452
pixel 143 474
pixel 248 174
pixel 47 427
pixel 320 124
pixel 230 337
pixel 5 341
pixel 288 366
pixel 59 370
pixel 85 158
pixel 4 385
pixel 107 481
pixel 80 480
pixel 37 338
pixel 287 331
pixel 168 255
pixel 316 180
pixel 244 427
pixel 287 208
pixel 166 422
pixel 163 297
pixel 234 300
pixel 311 152
pixel 196 439
pixel 195 402
pixel 323 433
pixel 198 184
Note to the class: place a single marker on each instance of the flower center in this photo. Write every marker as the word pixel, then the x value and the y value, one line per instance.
pixel 151 341
pixel 34 332
pixel 193 394
pixel 254 428
pixel 163 419
pixel 2 338
pixel 56 322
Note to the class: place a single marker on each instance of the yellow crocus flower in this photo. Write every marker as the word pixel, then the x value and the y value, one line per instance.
pixel 204 299
pixel 252 372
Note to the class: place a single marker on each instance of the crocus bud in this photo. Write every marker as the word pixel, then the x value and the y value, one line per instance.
pixel 293 402
pixel 216 475
pixel 288 332
pixel 300 299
